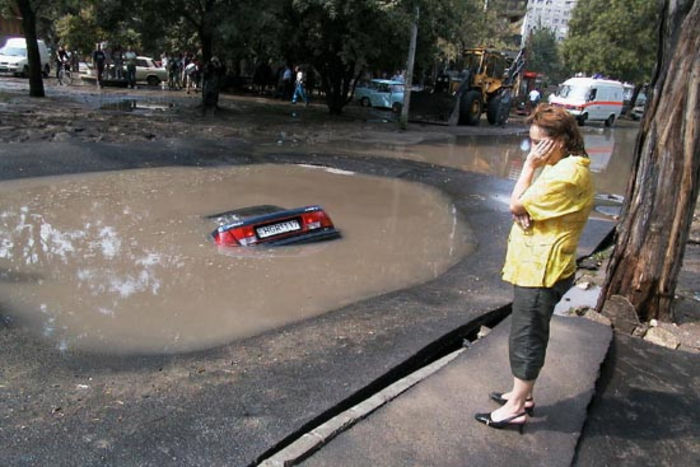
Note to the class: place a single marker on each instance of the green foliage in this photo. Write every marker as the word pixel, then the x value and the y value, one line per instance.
pixel 543 54
pixel 614 37
pixel 79 31
pixel 340 38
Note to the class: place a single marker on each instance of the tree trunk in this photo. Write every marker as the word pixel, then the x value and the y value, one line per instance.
pixel 336 81
pixel 211 77
pixel 663 187
pixel 403 122
pixel 36 83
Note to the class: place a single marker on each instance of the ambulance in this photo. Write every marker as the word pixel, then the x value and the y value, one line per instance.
pixel 590 99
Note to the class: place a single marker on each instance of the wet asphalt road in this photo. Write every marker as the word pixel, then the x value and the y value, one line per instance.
pixel 231 405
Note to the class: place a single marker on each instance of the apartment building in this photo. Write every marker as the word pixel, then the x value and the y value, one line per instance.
pixel 551 14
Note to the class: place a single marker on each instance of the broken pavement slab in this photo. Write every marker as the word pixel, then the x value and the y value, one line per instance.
pixel 433 424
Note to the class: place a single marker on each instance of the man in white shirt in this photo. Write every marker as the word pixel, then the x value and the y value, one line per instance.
pixel 299 89
pixel 534 98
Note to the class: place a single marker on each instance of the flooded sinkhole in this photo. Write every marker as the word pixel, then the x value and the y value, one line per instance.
pixel 122 262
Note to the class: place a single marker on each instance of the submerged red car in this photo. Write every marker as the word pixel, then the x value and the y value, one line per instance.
pixel 272 225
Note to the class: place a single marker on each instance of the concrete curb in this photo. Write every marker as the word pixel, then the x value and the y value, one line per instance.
pixel 320 435
pixel 433 423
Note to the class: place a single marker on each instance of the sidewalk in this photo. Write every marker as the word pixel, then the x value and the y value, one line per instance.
pixel 432 423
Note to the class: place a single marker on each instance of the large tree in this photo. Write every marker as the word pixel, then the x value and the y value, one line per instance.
pixel 78 30
pixel 613 37
pixel 338 39
pixel 543 54
pixel 663 189
pixel 341 39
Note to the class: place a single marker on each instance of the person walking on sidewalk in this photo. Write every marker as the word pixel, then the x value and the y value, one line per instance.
pixel 299 89
pixel 549 215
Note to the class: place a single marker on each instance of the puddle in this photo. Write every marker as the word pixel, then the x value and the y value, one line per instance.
pixel 577 297
pixel 611 153
pixel 134 105
pixel 121 262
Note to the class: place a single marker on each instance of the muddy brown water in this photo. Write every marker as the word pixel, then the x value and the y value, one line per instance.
pixel 611 152
pixel 121 262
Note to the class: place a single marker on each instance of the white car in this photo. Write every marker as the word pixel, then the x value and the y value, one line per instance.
pixel 381 93
pixel 147 70
pixel 638 111
pixel 13 57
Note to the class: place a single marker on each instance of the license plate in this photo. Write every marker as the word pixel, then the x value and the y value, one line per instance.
pixel 276 229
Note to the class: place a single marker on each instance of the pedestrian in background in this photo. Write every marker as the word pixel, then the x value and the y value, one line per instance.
pixel 533 98
pixel 287 83
pixel 98 59
pixel 118 60
pixel 174 71
pixel 299 87
pixel 61 59
pixel 191 75
pixel 549 215
pixel 75 61
pixel 212 74
pixel 130 59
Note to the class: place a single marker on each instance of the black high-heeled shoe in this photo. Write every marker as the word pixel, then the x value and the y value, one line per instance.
pixel 486 419
pixel 498 397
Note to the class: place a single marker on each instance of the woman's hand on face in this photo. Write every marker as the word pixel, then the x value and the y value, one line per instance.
pixel 541 152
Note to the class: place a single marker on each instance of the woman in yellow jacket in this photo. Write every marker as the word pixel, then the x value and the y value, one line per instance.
pixel 549 215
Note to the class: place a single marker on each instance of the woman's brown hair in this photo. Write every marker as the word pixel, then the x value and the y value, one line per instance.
pixel 556 122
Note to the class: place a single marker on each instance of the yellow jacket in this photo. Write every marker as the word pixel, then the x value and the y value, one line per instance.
pixel 558 203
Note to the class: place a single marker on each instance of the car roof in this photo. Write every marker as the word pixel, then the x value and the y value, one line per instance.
pixel 386 81
pixel 580 80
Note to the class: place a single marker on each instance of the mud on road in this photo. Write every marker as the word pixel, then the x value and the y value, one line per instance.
pixel 85 113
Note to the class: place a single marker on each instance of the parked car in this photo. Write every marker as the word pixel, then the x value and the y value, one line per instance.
pixel 272 225
pixel 147 70
pixel 13 57
pixel 85 69
pixel 383 93
pixel 627 102
pixel 638 111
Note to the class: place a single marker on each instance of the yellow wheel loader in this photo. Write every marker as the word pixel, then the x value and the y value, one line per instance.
pixel 483 84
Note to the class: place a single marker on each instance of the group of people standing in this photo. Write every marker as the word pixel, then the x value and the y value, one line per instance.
pixel 118 64
pixel 184 71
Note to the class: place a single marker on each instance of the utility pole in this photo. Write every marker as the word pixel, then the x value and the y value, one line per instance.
pixel 409 71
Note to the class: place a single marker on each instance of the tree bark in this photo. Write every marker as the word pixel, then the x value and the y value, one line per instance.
pixel 36 83
pixel 663 188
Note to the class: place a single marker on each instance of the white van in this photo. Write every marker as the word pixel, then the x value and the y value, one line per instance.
pixel 590 99
pixel 13 57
